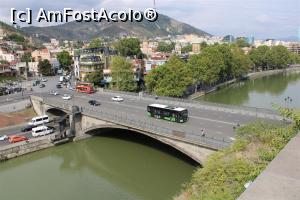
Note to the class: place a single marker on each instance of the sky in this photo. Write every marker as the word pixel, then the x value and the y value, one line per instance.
pixel 259 18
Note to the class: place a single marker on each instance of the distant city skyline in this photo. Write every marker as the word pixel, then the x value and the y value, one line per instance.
pixel 260 18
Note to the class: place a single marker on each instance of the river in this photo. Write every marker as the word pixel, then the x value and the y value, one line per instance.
pixel 103 167
pixel 261 92
pixel 121 165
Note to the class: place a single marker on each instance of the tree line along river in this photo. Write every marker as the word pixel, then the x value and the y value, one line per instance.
pixel 121 165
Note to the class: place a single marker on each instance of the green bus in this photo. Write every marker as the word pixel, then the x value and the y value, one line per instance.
pixel 174 114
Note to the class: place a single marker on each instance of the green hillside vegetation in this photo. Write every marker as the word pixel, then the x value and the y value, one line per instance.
pixel 225 173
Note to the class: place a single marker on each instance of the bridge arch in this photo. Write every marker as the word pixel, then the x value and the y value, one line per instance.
pixel 175 145
pixel 55 112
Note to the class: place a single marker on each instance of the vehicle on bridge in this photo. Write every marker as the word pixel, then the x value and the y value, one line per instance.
pixel 85 88
pixel 41 131
pixel 94 103
pixel 66 97
pixel 39 120
pixel 117 99
pixel 174 114
pixel 17 138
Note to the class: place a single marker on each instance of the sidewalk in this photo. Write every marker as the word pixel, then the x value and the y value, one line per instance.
pixel 281 179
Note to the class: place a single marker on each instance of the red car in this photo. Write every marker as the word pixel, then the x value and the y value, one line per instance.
pixel 17 138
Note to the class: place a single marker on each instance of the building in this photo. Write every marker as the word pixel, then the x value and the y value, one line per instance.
pixel 196 48
pixel 229 39
pixel 9 57
pixel 43 54
pixel 294 47
pixel 155 61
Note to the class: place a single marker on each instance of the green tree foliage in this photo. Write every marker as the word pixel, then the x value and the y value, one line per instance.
pixel 240 42
pixel 259 56
pixel 129 47
pixel 294 58
pixel 241 63
pixel 278 57
pixel 64 59
pixel 45 68
pixel 96 43
pixel 122 74
pixel 94 77
pixel 207 66
pixel 186 49
pixel 15 37
pixel 26 57
pixel 170 79
pixel 165 47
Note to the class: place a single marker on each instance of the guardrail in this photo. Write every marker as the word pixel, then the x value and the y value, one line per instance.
pixel 128 120
pixel 243 110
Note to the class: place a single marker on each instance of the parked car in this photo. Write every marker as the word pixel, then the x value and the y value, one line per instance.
pixel 58 86
pixel 66 97
pixel 117 99
pixel 54 93
pixel 17 138
pixel 42 85
pixel 27 128
pixel 3 137
pixel 94 103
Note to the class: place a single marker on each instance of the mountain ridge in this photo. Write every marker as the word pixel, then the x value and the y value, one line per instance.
pixel 164 26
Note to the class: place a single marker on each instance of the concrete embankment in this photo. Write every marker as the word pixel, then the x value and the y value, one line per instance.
pixel 18 149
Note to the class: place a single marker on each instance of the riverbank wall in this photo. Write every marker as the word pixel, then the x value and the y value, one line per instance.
pixel 253 75
pixel 21 148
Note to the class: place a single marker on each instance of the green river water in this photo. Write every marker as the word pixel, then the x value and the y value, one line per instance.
pixel 117 165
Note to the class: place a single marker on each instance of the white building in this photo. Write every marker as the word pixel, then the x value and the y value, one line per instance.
pixel 6 56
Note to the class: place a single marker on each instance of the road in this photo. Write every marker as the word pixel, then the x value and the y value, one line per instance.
pixel 214 123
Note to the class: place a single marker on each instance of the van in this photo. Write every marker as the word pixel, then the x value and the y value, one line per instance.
pixel 39 120
pixel 41 130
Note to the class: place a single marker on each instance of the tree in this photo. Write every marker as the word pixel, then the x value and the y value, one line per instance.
pixel 122 74
pixel 129 47
pixel 96 43
pixel 240 42
pixel 259 57
pixel 278 57
pixel 294 59
pixel 170 79
pixel 94 77
pixel 15 37
pixel 186 49
pixel 206 67
pixel 45 68
pixel 241 63
pixel 64 59
pixel 165 47
pixel 26 57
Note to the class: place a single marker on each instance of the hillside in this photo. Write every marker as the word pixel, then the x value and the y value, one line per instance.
pixel 164 26
pixel 9 30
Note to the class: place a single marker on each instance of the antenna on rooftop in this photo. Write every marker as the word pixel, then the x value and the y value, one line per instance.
pixel 154 5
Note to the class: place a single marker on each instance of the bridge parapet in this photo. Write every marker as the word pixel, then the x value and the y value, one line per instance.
pixel 243 110
pixel 127 120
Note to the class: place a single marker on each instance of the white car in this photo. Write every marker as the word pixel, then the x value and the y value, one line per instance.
pixel 117 99
pixel 66 97
pixel 44 80
pixel 55 93
pixel 3 137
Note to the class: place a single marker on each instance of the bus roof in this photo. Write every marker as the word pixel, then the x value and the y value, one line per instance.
pixel 179 109
pixel 43 116
pixel 39 128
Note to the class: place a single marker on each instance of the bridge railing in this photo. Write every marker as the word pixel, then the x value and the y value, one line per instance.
pixel 130 121
pixel 243 110
pixel 147 126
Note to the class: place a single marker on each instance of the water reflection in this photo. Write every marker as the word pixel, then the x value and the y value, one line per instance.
pixel 260 92
pixel 118 168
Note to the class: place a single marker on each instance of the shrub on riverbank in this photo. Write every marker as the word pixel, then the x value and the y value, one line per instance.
pixel 225 173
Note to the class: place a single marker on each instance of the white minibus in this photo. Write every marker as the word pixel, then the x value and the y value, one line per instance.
pixel 39 120
pixel 41 130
